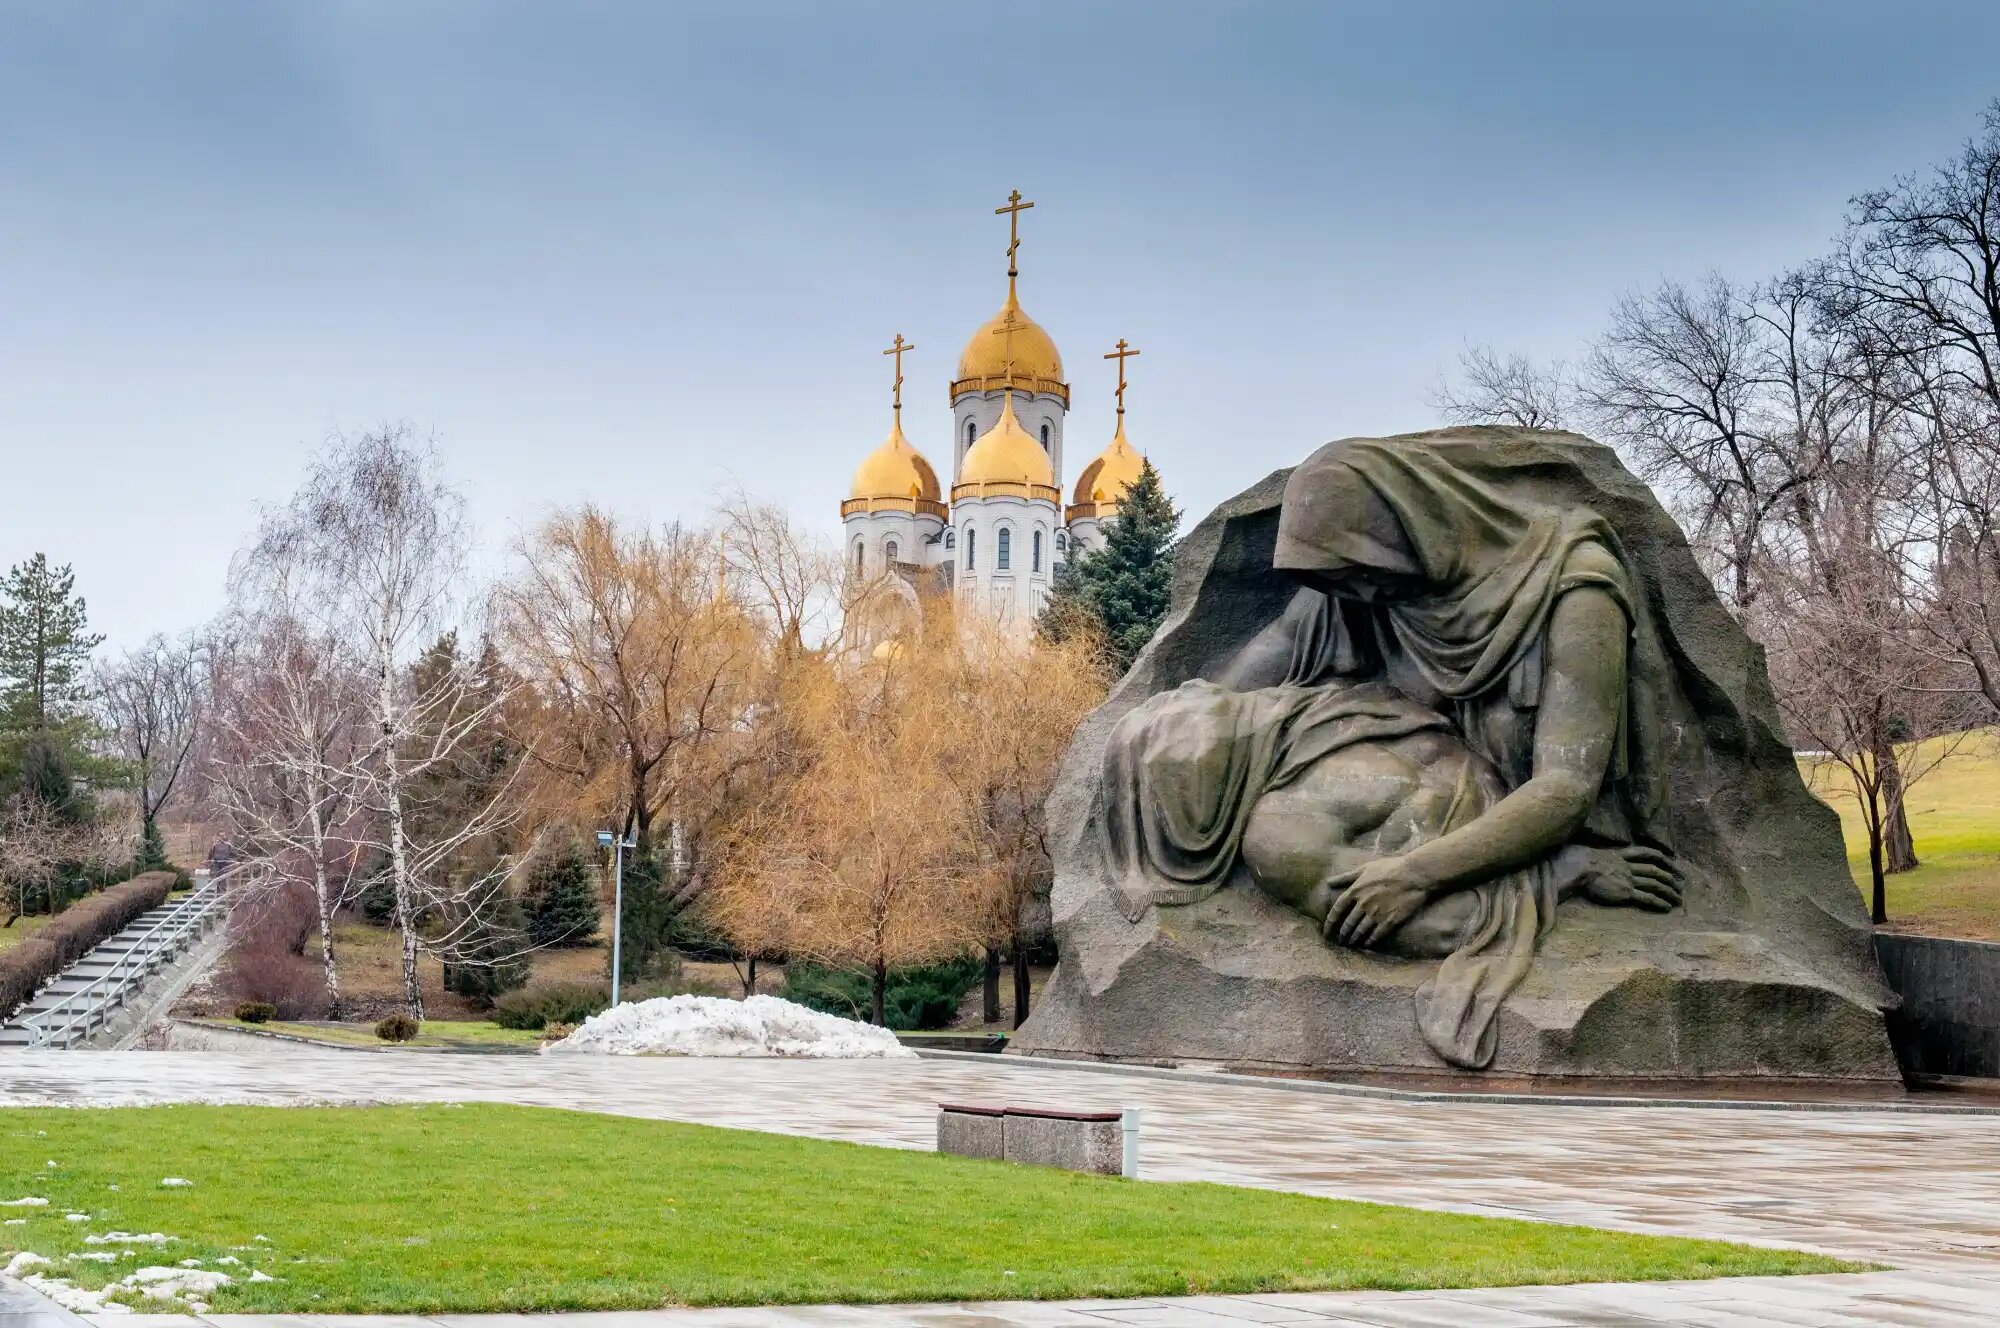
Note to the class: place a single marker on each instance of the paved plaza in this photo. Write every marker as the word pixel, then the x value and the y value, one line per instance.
pixel 1917 1191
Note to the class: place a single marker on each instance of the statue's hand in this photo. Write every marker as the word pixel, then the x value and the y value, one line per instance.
pixel 1382 897
pixel 1630 877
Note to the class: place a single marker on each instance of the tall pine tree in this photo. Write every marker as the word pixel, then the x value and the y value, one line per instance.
pixel 45 646
pixel 1121 587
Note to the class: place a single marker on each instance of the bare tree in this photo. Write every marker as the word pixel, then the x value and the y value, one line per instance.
pixel 1002 771
pixel 1692 384
pixel 375 543
pixel 1919 272
pixel 153 702
pixel 1507 389
pixel 641 666
pixel 290 730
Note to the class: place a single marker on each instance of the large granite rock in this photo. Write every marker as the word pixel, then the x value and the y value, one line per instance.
pixel 1765 971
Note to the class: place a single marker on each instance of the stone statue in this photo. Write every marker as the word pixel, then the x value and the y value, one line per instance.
pixel 1449 701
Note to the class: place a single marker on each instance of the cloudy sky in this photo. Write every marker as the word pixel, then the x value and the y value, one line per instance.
pixel 634 253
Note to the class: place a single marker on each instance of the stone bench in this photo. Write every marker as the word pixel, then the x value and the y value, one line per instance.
pixel 1104 1142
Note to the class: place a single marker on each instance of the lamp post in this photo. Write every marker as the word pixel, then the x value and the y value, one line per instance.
pixel 606 839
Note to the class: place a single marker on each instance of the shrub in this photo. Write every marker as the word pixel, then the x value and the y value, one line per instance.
pixel 560 897
pixel 557 1032
pixel 27 967
pixel 293 986
pixel 397 1028
pixel 553 1003
pixel 267 961
pixel 925 997
pixel 256 1012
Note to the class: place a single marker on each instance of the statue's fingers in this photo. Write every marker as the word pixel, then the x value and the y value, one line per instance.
pixel 1354 927
pixel 1642 853
pixel 1655 894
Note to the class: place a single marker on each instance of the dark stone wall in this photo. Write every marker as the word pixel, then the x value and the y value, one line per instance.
pixel 1949 1022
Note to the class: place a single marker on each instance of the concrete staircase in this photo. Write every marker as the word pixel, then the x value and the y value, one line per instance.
pixel 85 996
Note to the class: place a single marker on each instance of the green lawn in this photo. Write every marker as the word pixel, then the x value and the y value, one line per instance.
pixel 22 929
pixel 1955 819
pixel 433 1209
pixel 436 1033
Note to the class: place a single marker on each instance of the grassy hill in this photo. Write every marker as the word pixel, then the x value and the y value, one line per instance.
pixel 1955 818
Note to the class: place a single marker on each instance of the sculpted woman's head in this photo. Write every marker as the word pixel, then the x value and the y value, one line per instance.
pixel 1338 535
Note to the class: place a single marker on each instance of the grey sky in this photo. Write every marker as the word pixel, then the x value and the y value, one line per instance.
pixel 633 252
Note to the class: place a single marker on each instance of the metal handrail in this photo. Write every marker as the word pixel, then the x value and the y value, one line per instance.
pixel 183 918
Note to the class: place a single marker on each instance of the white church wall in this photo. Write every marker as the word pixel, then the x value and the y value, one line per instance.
pixel 981 411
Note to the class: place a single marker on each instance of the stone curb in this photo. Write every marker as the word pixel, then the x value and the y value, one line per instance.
pixel 271 1035
pixel 1418 1095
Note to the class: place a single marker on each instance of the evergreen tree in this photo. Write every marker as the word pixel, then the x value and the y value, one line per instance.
pixel 643 951
pixel 152 848
pixel 1122 586
pixel 489 953
pixel 561 895
pixel 45 646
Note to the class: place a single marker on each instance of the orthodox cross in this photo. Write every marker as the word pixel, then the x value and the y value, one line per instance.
pixel 897 351
pixel 1121 355
pixel 1015 207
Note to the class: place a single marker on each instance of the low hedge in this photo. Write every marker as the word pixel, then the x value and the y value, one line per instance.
pixel 73 933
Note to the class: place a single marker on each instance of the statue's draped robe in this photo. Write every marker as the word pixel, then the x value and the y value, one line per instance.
pixel 1183 771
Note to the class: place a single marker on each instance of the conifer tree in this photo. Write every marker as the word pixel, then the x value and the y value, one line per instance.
pixel 1122 586
pixel 561 895
pixel 45 646
pixel 488 954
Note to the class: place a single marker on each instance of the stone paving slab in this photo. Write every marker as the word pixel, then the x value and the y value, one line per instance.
pixel 1920 1192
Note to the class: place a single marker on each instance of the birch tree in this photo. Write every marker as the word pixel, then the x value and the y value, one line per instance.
pixel 290 729
pixel 378 540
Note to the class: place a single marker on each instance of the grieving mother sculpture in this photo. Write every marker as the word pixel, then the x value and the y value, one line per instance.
pixel 1452 700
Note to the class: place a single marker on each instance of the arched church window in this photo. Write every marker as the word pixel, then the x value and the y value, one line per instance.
pixel 1001 559
pixel 971 432
pixel 859 564
pixel 889 552
pixel 1045 435
pixel 950 539
pixel 1062 543
pixel 971 549
pixel 1038 552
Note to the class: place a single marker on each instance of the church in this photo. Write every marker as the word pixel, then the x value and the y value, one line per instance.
pixel 995 543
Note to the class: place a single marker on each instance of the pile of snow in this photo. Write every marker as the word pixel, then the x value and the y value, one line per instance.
pixel 29 1202
pixel 711 1026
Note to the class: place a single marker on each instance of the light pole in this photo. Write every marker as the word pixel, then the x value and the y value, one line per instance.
pixel 606 839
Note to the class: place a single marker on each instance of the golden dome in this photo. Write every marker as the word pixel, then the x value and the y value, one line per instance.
pixel 1006 459
pixel 1038 365
pixel 894 478
pixel 1115 470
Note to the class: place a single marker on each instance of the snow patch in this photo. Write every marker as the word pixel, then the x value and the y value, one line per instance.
pixel 712 1026
pixel 96 1256
pixel 175 1182
pixel 25 1203
pixel 21 1262
pixel 174 1283
pixel 74 1298
pixel 76 1217
pixel 127 1238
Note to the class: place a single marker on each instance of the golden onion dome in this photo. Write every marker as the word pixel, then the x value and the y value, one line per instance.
pixel 895 472
pixel 1115 470
pixel 1005 454
pixel 1038 365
